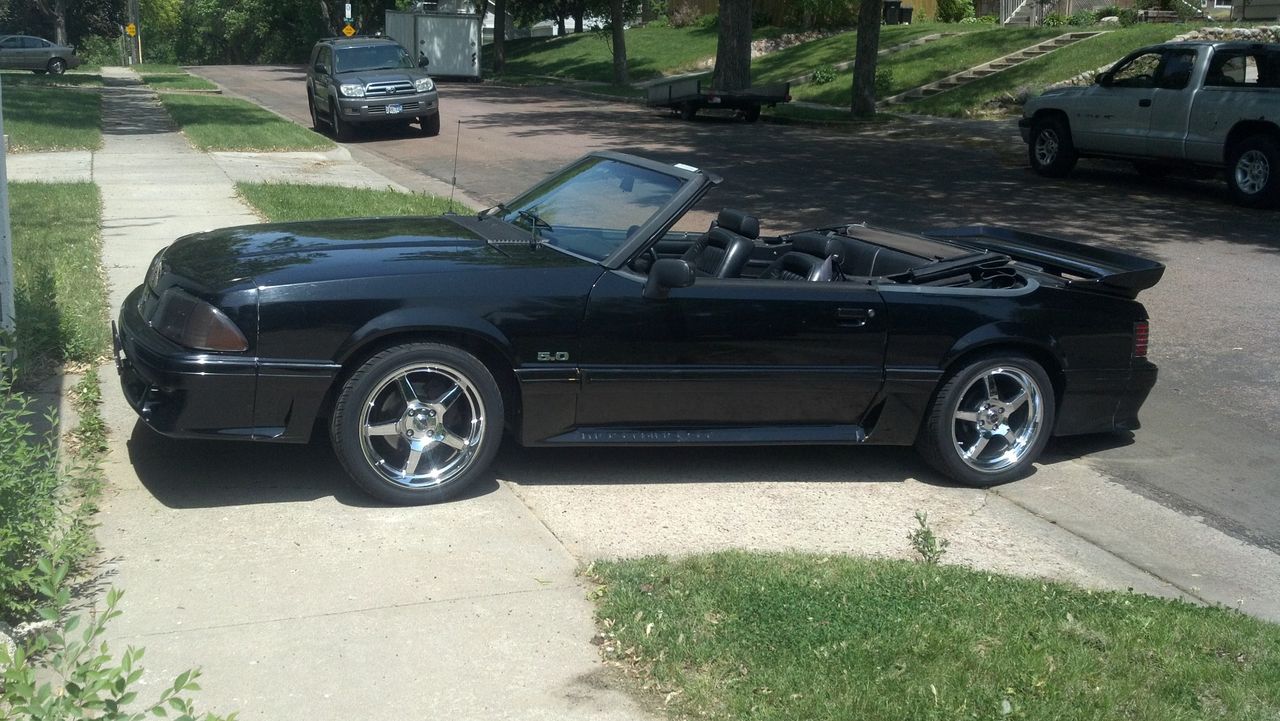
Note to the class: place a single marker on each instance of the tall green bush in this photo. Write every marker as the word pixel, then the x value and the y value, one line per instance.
pixel 954 11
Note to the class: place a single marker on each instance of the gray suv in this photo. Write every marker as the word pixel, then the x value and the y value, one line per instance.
pixel 24 52
pixel 360 81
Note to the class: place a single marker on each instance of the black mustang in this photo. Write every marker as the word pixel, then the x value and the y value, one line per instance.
pixel 573 315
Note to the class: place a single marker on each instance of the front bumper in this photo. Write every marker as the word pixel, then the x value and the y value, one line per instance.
pixel 177 391
pixel 384 109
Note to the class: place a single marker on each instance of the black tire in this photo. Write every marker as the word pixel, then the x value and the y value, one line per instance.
pixel 316 124
pixel 341 128
pixel 430 125
pixel 1051 152
pixel 965 410
pixel 1253 171
pixel 751 114
pixel 455 418
pixel 56 66
pixel 688 111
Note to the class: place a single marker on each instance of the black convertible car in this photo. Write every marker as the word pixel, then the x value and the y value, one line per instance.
pixel 574 315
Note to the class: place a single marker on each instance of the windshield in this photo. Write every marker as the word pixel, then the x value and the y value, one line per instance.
pixel 371 57
pixel 592 208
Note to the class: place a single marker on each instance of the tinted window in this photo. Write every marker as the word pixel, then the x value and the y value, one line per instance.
pixel 32 43
pixel 371 57
pixel 1244 68
pixel 1139 72
pixel 11 43
pixel 1175 73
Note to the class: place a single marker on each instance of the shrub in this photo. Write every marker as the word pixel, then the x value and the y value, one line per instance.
pixel 982 20
pixel 708 22
pixel 30 504
pixel 1109 11
pixel 91 683
pixel 1128 16
pixel 954 11
pixel 1054 20
pixel 823 75
pixel 683 16
pixel 100 50
pixel 884 82
pixel 1082 18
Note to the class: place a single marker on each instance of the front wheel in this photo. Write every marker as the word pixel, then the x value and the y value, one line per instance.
pixel 315 116
pixel 430 124
pixel 341 128
pixel 1253 171
pixel 1051 152
pixel 56 66
pixel 418 423
pixel 751 113
pixel 688 111
pixel 989 421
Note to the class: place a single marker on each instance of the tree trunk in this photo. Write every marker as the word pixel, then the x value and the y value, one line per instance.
pixel 733 49
pixel 560 23
pixel 618 20
pixel 579 17
pixel 60 22
pixel 864 61
pixel 499 34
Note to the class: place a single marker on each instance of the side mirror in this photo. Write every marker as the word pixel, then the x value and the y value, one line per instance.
pixel 1103 79
pixel 666 274
pixel 423 61
pixel 321 69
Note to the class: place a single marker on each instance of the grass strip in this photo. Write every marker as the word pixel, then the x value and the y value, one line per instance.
pixel 158 69
pixel 291 201
pixel 43 117
pixel 59 288
pixel 1057 66
pixel 177 82
pixel 651 52
pixel 917 66
pixel 794 636
pixel 213 122
pixel 78 78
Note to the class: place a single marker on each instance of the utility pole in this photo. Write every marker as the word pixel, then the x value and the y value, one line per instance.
pixel 135 37
pixel 7 324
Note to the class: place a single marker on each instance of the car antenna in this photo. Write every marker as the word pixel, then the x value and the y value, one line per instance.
pixel 453 182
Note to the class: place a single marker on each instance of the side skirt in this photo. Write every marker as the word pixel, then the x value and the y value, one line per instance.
pixel 710 436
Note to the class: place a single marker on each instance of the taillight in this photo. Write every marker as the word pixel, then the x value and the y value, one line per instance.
pixel 1141 337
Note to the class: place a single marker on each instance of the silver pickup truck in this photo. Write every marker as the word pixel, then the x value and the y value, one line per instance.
pixel 1209 106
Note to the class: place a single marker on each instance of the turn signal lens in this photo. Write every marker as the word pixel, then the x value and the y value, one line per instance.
pixel 191 322
pixel 1141 338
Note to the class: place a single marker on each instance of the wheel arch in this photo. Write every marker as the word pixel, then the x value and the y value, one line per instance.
pixel 1044 350
pixel 1046 114
pixel 1245 129
pixel 487 345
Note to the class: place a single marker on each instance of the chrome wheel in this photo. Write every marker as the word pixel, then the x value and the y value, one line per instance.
pixel 1252 172
pixel 998 419
pixel 1047 146
pixel 422 425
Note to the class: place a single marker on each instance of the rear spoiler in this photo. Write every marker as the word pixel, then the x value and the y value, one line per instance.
pixel 1082 266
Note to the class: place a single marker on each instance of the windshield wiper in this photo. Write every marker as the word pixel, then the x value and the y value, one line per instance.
pixel 500 208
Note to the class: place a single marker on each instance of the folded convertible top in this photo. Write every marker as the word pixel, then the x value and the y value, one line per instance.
pixel 1082 266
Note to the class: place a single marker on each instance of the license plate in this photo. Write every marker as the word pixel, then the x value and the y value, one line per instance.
pixel 394 109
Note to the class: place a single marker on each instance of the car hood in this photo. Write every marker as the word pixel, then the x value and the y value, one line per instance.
pixel 365 77
pixel 311 251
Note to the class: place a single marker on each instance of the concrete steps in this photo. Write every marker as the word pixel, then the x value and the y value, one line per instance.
pixel 988 69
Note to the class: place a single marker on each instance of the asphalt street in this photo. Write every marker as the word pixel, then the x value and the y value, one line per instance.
pixel 1208 445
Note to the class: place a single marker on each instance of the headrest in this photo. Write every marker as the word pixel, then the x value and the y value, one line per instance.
pixel 739 222
pixel 822 246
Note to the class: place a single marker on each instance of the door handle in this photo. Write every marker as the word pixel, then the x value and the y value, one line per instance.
pixel 855 316
pixel 1144 103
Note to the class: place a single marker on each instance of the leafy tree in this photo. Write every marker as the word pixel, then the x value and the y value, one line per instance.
pixel 733 49
pixel 864 61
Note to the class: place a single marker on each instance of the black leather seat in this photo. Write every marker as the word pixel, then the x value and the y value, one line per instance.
pixel 805 259
pixel 725 249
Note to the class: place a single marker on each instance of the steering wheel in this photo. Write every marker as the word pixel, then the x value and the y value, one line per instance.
pixel 536 221
pixel 643 263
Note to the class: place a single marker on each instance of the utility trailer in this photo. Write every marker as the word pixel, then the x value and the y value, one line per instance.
pixel 686 97
pixel 450 41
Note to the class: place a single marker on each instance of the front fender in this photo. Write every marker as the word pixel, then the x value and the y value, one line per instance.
pixel 424 321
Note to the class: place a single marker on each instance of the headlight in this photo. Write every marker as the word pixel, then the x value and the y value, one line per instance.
pixel 422 85
pixel 154 272
pixel 352 90
pixel 191 322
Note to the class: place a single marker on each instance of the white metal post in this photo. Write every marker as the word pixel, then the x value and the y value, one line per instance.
pixel 6 241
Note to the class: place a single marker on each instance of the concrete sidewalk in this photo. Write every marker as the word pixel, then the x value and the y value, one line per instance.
pixel 298 597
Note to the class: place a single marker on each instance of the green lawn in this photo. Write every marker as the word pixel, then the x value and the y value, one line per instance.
pixel 79 78
pixel 43 117
pixel 212 122
pixel 288 201
pixel 934 61
pixel 1055 67
pixel 177 82
pixel 158 69
pixel 651 52
pixel 756 636
pixel 802 59
pixel 60 291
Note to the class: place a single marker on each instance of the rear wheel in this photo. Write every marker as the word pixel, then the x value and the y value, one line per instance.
pixel 1253 171
pixel 990 420
pixel 56 66
pixel 688 111
pixel 751 114
pixel 418 423
pixel 1051 151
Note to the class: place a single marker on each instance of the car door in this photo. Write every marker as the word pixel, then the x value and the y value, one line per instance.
pixel 730 352
pixel 1171 104
pixel 11 52
pixel 321 81
pixel 1115 118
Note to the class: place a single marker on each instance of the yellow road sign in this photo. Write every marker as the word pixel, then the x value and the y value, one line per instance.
pixel 131 29
pixel 348 30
